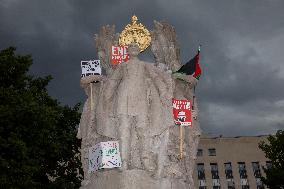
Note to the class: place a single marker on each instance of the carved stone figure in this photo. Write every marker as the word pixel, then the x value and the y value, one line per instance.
pixel 132 103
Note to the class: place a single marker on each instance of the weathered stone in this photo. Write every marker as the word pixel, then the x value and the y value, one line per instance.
pixel 132 179
pixel 164 45
pixel 104 40
pixel 133 104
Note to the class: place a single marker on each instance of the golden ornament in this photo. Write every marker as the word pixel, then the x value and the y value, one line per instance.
pixel 135 33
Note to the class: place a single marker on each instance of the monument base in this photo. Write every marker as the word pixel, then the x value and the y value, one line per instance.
pixel 132 179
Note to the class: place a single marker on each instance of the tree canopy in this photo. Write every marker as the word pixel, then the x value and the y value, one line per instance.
pixel 274 150
pixel 38 144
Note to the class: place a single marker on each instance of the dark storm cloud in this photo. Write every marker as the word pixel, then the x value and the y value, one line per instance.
pixel 241 90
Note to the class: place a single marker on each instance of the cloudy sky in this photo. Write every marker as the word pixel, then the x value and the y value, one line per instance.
pixel 241 91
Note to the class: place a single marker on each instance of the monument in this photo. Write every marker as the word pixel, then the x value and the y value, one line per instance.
pixel 132 104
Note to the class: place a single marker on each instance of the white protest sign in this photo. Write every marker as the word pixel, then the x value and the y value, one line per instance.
pixel 104 155
pixel 91 67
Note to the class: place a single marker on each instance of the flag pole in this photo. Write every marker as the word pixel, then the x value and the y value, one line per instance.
pixel 193 100
pixel 91 96
pixel 181 142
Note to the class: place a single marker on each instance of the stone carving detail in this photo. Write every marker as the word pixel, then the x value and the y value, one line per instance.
pixel 164 45
pixel 104 40
pixel 133 104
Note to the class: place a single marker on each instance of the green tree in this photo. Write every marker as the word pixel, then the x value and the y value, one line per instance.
pixel 274 150
pixel 38 145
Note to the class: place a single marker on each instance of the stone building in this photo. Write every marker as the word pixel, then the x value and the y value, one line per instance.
pixel 230 162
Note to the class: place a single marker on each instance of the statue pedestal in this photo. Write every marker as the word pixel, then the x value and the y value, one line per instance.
pixel 132 179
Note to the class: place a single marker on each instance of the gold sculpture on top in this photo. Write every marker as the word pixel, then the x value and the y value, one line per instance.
pixel 137 33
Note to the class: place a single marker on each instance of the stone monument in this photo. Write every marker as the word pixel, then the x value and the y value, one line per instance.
pixel 132 103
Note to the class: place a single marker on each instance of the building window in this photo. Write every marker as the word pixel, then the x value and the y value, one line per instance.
pixel 228 170
pixel 215 175
pixel 259 184
pixel 229 175
pixel 212 152
pixel 268 164
pixel 199 152
pixel 243 175
pixel 214 170
pixel 200 171
pixel 202 187
pixel 231 184
pixel 242 170
pixel 256 169
pixel 201 176
pixel 257 175
pixel 216 187
pixel 245 186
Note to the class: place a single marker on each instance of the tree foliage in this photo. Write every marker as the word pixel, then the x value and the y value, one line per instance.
pixel 38 145
pixel 274 150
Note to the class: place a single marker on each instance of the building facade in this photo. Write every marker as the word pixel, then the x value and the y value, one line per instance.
pixel 230 162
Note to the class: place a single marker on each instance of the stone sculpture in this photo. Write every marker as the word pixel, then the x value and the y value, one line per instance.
pixel 132 103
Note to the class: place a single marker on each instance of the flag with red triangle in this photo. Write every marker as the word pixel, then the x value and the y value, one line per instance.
pixel 192 67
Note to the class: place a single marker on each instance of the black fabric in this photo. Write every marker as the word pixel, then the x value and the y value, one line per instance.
pixel 189 67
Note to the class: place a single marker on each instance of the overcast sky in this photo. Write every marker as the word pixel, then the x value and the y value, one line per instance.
pixel 241 90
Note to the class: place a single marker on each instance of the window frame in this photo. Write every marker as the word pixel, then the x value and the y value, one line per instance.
pixel 199 152
pixel 212 152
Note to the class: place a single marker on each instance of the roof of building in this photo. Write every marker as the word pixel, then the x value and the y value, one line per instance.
pixel 210 136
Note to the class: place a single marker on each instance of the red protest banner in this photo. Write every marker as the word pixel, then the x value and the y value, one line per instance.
pixel 182 112
pixel 119 54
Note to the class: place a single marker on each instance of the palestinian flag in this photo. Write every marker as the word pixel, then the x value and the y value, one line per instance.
pixel 192 67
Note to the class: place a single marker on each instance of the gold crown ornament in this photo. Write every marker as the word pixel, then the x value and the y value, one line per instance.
pixel 137 33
